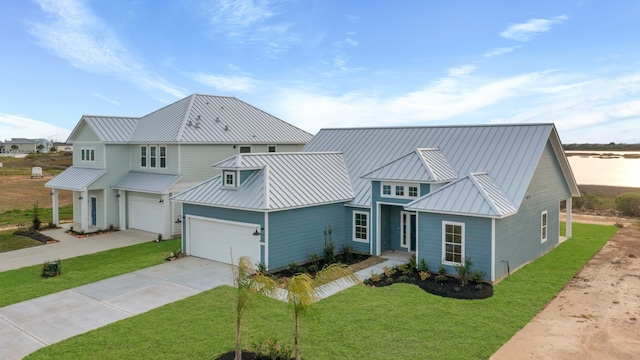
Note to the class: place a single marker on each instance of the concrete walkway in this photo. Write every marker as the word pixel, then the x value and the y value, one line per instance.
pixel 30 325
pixel 71 246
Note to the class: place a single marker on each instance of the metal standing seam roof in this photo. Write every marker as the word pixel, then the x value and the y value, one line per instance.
pixel 421 165
pixel 510 152
pixel 476 194
pixel 76 178
pixel 146 182
pixel 282 181
pixel 198 119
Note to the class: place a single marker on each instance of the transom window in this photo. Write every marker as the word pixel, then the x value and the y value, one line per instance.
pixel 405 191
pixel 272 148
pixel 360 226
pixel 88 154
pixel 543 226
pixel 245 149
pixel 452 243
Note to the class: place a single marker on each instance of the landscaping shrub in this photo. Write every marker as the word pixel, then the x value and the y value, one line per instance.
pixel 628 204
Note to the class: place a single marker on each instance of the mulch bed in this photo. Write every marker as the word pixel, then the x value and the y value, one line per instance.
pixel 312 268
pixel 87 234
pixel 246 355
pixel 36 235
pixel 449 287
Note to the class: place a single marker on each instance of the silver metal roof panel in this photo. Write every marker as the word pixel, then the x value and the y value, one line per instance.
pixel 421 165
pixel 146 182
pixel 76 178
pixel 111 128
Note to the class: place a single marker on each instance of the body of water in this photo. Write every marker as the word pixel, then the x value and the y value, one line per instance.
pixel 590 168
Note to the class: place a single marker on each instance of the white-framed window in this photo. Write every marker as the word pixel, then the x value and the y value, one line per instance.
pixel 404 191
pixel 153 156
pixel 361 226
pixel 229 178
pixel 543 226
pixel 143 156
pixel 452 243
pixel 245 149
pixel 271 148
pixel 88 154
pixel 163 156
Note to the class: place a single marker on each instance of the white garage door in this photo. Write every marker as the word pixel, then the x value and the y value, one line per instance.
pixel 218 239
pixel 146 214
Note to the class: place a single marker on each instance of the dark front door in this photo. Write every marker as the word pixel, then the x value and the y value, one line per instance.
pixel 94 208
pixel 413 232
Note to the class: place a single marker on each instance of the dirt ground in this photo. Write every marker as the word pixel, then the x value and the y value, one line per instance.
pixel 21 192
pixel 597 315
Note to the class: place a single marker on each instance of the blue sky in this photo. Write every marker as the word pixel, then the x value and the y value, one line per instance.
pixel 327 63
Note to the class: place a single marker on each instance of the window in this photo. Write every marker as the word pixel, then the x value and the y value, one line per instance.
pixel 229 178
pixel 88 154
pixel 386 189
pixel 360 226
pixel 163 157
pixel 152 156
pixel 272 148
pixel 413 191
pixel 399 190
pixel 245 149
pixel 543 226
pixel 143 156
pixel 452 243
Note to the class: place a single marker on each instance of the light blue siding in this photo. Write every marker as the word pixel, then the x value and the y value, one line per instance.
pixel 477 241
pixel 518 238
pixel 296 233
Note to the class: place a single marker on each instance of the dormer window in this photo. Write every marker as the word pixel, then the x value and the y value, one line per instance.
pixel 399 190
pixel 229 178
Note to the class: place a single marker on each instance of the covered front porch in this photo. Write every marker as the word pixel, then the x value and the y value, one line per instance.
pixel 396 229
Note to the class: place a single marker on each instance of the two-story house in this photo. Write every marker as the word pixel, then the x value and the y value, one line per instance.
pixel 125 169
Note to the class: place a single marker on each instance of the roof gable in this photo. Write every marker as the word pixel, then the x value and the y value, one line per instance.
pixel 421 165
pixel 476 194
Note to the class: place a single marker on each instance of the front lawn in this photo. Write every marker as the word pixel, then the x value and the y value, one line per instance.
pixel 26 283
pixel 9 241
pixel 17 217
pixel 395 322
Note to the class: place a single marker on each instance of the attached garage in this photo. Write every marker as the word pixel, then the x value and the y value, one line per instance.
pixel 217 239
pixel 146 214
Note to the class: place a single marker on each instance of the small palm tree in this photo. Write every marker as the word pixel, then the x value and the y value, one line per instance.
pixel 249 283
pixel 302 288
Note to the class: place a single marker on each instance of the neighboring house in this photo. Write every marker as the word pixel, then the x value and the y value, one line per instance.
pixel 491 193
pixel 63 147
pixel 125 169
pixel 26 146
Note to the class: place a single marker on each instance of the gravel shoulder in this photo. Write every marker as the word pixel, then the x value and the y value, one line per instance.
pixel 597 315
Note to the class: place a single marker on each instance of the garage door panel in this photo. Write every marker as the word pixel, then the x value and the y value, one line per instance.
pixel 218 240
pixel 146 214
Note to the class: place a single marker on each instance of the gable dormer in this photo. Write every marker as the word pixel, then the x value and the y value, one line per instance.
pixel 235 172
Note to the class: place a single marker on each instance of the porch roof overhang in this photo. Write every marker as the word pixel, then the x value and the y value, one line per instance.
pixel 147 182
pixel 76 178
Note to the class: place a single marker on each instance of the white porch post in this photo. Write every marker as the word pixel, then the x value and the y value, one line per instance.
pixel 55 211
pixel 166 216
pixel 122 210
pixel 84 206
pixel 569 210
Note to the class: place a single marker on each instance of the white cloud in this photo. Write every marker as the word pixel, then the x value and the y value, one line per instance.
pixel 351 41
pixel 461 70
pixel 75 34
pixel 20 126
pixel 107 99
pixel 226 83
pixel 528 30
pixel 500 51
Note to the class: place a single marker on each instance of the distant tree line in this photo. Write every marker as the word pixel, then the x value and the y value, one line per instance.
pixel 602 147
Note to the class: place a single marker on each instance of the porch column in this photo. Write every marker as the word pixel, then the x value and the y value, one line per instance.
pixel 122 209
pixel 84 210
pixel 568 210
pixel 166 216
pixel 55 211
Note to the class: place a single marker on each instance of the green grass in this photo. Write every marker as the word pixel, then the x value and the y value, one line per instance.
pixel 24 217
pixel 396 322
pixel 26 283
pixel 9 242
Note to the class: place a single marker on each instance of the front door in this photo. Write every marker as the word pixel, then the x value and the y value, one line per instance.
pixel 94 209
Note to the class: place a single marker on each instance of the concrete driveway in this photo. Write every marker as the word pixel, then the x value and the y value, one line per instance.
pixel 27 326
